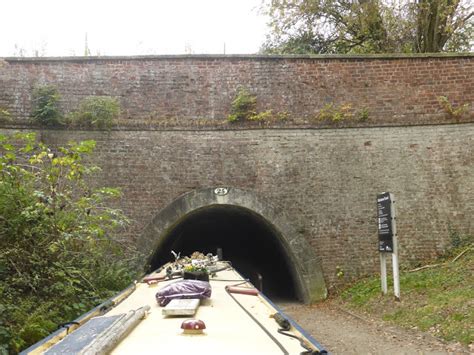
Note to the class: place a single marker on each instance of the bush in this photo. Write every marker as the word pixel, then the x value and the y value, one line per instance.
pixel 5 116
pixel 243 107
pixel 45 105
pixel 57 254
pixel 459 240
pixel 96 111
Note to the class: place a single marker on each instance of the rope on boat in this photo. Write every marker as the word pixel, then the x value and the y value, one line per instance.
pixel 275 340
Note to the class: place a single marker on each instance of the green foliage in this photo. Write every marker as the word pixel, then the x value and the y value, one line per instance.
pixel 261 116
pixel 196 268
pixel 450 109
pixel 243 107
pixel 93 111
pixel 282 116
pixel 5 116
pixel 363 114
pixel 362 291
pixel 339 272
pixel 343 26
pixel 459 240
pixel 96 111
pixel 45 105
pixel 340 113
pixel 57 256
pixel 443 25
pixel 335 114
pixel 437 299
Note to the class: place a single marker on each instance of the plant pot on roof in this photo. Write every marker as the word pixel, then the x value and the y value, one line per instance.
pixel 192 272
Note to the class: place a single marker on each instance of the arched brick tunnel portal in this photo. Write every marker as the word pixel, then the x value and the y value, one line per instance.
pixel 246 240
pixel 254 236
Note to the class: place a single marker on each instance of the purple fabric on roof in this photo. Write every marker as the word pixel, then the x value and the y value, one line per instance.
pixel 183 289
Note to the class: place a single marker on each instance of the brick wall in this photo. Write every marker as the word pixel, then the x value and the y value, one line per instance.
pixel 329 177
pixel 395 90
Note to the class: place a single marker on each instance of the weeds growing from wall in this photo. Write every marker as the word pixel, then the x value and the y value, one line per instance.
pixel 243 107
pixel 96 111
pixel 5 116
pixel 45 105
pixel 363 114
pixel 334 114
pixel 450 110
pixel 459 240
pixel 93 112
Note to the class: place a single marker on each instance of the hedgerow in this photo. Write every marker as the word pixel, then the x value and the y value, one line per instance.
pixel 58 256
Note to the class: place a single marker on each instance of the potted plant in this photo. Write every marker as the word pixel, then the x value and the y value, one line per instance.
pixel 193 272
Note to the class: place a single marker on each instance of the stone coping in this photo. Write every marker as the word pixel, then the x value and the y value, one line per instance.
pixel 256 57
pixel 191 128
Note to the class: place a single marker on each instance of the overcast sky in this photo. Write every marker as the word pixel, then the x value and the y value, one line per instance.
pixel 124 27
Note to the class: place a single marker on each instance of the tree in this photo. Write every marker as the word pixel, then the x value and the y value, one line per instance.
pixel 443 25
pixel 368 26
pixel 58 257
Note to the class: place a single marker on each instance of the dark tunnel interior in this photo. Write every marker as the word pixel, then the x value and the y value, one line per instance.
pixel 246 239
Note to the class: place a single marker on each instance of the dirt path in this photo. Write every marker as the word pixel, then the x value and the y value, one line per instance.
pixel 346 333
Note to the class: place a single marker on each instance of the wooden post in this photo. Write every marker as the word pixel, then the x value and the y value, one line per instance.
pixel 383 272
pixel 388 243
pixel 395 266
pixel 396 276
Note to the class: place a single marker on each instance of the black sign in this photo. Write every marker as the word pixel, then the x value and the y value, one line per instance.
pixel 385 222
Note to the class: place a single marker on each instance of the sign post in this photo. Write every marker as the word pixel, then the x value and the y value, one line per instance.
pixel 387 233
pixel 383 272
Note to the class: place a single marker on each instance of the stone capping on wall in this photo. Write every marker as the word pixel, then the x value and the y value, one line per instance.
pixel 226 128
pixel 238 56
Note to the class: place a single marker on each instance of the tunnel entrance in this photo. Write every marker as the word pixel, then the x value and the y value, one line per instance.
pixel 256 236
pixel 247 240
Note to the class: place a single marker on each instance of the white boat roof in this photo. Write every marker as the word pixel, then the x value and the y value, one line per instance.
pixel 229 329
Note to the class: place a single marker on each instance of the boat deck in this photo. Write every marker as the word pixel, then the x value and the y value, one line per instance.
pixel 229 330
pixel 236 323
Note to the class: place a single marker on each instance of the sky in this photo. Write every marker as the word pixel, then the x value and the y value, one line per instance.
pixel 125 27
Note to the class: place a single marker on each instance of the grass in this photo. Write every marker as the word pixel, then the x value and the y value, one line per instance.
pixel 439 300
